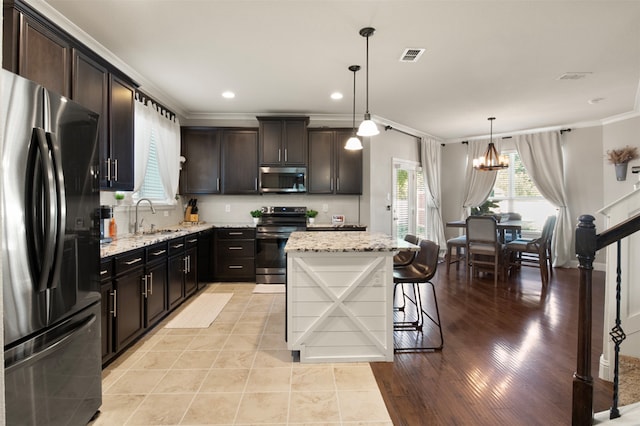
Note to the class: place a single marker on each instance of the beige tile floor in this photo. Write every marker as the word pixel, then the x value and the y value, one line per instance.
pixel 236 372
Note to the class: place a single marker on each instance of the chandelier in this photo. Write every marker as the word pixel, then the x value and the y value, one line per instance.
pixel 491 159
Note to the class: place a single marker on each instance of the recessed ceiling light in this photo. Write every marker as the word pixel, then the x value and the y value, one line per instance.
pixel 228 95
pixel 574 75
pixel 336 96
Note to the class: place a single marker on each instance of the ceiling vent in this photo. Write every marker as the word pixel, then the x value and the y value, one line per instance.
pixel 411 54
pixel 573 75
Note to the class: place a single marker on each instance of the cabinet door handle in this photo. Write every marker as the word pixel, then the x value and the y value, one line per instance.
pixel 150 283
pixel 236 233
pixel 235 248
pixel 218 184
pixel 158 253
pixel 337 184
pixel 331 184
pixel 115 166
pixel 279 159
pixel 114 294
pixel 236 266
pixel 136 260
pixel 286 156
pixel 144 280
pixel 175 246
pixel 194 240
pixel 255 184
pixel 189 263
pixel 108 161
pixel 185 269
pixel 104 272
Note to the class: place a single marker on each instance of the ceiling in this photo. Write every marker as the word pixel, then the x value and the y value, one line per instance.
pixel 482 58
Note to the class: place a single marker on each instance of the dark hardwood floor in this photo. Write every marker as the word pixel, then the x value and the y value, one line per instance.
pixel 508 358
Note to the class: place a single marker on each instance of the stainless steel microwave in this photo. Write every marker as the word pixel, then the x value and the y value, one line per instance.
pixel 283 179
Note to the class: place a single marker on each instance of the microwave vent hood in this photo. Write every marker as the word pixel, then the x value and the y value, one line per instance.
pixel 283 180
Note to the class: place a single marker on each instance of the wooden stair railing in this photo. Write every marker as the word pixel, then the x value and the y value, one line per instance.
pixel 587 244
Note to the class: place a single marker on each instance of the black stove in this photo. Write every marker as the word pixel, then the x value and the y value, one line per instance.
pixel 275 226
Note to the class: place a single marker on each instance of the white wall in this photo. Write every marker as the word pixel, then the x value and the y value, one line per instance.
pixel 382 149
pixel 614 136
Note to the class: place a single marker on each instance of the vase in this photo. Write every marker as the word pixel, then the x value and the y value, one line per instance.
pixel 621 171
pixel 256 220
pixel 312 220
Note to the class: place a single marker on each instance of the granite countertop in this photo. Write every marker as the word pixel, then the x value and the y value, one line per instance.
pixel 132 242
pixel 338 241
pixel 330 227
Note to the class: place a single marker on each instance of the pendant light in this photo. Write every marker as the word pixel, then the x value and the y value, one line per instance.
pixel 353 143
pixel 367 127
pixel 491 159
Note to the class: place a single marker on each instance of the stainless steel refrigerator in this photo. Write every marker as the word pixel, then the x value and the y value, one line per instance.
pixel 50 256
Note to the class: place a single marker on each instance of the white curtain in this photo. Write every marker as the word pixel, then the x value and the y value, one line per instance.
pixel 152 125
pixel 541 154
pixel 142 142
pixel 430 150
pixel 478 184
pixel 168 146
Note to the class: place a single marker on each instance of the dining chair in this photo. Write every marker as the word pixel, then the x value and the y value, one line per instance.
pixel 417 273
pixel 484 248
pixel 457 245
pixel 512 234
pixel 532 252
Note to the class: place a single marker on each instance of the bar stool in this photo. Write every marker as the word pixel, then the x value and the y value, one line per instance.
pixel 420 271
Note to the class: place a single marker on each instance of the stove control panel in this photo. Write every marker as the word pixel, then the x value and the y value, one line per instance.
pixel 284 210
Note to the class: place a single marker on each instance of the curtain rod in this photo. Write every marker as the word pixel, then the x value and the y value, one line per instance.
pixel 144 98
pixel 562 131
pixel 401 131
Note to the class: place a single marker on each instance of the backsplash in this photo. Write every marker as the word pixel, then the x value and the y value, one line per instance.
pixel 228 209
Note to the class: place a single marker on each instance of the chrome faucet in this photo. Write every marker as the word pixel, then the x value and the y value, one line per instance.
pixel 135 229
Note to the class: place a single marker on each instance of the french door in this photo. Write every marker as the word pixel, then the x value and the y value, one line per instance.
pixel 408 199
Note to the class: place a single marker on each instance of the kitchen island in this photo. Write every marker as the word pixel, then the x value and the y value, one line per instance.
pixel 340 295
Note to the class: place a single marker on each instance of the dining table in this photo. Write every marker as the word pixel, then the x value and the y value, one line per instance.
pixel 503 226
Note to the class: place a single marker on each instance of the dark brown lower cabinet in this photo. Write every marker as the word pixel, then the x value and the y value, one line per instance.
pixel 156 295
pixel 183 269
pixel 235 250
pixel 106 317
pixel 129 307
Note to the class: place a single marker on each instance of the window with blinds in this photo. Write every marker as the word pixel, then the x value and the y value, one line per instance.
pixel 152 187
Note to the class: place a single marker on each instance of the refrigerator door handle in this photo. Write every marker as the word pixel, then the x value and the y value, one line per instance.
pixel 43 349
pixel 41 191
pixel 61 210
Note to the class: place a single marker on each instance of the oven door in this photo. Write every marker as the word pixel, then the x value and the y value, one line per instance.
pixel 271 261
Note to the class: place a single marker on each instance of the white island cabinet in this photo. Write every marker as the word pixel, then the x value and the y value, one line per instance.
pixel 339 295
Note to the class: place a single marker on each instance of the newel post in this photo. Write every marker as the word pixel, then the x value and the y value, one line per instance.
pixel 582 410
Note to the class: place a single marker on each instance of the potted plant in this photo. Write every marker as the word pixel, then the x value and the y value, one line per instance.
pixel 256 215
pixel 119 196
pixel 311 214
pixel 620 159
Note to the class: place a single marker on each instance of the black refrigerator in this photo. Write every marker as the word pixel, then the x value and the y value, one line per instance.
pixel 50 256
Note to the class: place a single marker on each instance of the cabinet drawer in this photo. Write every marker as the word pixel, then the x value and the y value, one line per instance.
pixel 129 260
pixel 106 268
pixel 191 240
pixel 236 234
pixel 239 248
pixel 157 252
pixel 240 267
pixel 176 246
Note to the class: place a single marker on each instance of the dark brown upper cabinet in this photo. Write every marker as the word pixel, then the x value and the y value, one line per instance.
pixel 283 141
pixel 239 161
pixel 201 148
pixel 36 52
pixel 333 169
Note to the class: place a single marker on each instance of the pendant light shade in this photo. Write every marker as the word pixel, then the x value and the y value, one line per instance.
pixel 353 143
pixel 367 127
pixel 491 159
